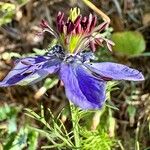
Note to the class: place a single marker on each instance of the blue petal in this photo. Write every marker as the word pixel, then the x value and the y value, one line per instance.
pixel 114 71
pixel 30 70
pixel 83 89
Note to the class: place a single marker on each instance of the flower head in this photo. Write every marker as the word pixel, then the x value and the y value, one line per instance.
pixel 77 32
pixel 84 81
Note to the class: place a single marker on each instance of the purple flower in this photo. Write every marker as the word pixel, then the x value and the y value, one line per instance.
pixel 84 80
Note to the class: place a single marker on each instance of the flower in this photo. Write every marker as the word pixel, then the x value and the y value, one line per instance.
pixel 84 80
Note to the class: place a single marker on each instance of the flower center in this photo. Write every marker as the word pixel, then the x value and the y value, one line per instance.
pixel 77 32
pixel 81 57
pixel 72 32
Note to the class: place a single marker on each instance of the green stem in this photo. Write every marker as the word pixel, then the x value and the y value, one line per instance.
pixel 75 119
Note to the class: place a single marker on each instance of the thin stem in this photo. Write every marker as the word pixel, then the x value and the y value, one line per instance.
pixel 75 119
pixel 98 11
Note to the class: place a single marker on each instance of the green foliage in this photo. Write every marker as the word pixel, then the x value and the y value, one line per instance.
pixel 80 135
pixel 128 43
pixel 24 138
pixel 39 51
pixel 22 2
pixel 50 83
pixel 7 11
pixel 9 113
pixel 8 56
pixel 55 132
pixel 96 140
pixel 11 137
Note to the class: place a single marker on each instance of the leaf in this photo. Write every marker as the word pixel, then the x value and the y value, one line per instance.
pixel 50 83
pixel 9 112
pixel 8 56
pixel 39 51
pixel 9 141
pixel 7 11
pixel 12 125
pixel 32 139
pixel 131 110
pixel 128 43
